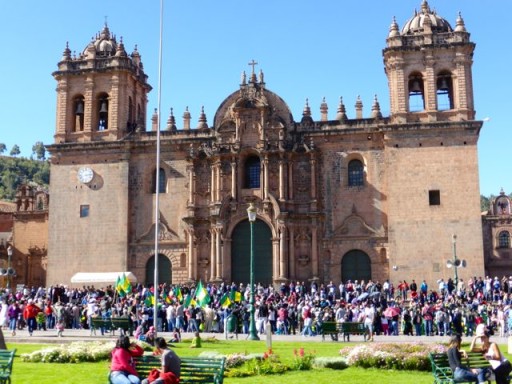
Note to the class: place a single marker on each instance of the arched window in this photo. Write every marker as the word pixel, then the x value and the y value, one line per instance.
pixel 103 112
pixel 504 239
pixel 355 173
pixel 162 185
pixel 416 93
pixel 444 91
pixel 78 112
pixel 252 172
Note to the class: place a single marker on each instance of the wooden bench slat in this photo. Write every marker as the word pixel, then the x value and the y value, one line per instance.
pixel 193 369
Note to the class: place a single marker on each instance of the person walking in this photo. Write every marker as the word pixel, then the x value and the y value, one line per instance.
pixel 29 314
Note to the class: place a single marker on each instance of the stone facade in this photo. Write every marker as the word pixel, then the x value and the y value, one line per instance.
pixel 366 198
pixel 25 223
pixel 497 228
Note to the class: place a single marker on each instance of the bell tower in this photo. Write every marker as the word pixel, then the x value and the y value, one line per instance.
pixel 428 65
pixel 101 92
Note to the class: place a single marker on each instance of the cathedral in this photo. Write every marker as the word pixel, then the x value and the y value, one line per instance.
pixel 371 197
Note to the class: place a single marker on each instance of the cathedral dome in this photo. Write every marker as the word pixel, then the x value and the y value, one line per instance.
pixel 105 44
pixel 416 23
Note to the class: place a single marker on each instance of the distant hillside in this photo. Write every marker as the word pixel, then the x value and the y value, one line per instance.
pixel 15 171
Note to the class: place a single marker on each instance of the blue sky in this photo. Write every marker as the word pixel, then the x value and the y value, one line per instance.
pixel 307 49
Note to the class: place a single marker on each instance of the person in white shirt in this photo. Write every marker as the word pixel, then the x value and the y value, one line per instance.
pixel 369 316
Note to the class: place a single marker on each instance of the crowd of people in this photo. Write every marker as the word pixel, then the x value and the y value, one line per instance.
pixel 296 308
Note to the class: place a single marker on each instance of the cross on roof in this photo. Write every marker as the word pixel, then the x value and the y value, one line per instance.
pixel 253 64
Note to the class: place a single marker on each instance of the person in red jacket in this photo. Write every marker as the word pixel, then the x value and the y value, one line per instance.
pixel 29 314
pixel 122 368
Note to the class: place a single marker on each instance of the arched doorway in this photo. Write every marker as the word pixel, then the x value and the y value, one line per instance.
pixel 164 270
pixel 356 265
pixel 241 253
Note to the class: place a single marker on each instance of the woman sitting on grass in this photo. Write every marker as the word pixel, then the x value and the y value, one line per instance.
pixel 122 368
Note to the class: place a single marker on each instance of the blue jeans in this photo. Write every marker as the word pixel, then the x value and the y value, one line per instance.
pixel 12 324
pixel 464 375
pixel 32 324
pixel 428 327
pixel 117 377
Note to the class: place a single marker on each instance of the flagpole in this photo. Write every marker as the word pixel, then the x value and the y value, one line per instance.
pixel 157 175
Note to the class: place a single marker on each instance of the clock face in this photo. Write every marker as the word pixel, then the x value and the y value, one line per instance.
pixel 85 175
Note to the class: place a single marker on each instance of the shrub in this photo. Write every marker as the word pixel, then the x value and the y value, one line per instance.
pixel 330 362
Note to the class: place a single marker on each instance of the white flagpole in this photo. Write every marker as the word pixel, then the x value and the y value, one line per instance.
pixel 157 175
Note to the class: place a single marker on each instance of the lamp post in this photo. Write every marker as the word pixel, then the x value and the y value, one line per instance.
pixel 455 260
pixel 455 263
pixel 9 256
pixel 251 213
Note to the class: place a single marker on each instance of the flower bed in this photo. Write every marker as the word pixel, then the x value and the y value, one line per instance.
pixel 409 356
pixel 75 352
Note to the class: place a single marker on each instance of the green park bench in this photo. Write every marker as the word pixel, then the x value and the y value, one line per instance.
pixel 6 361
pixel 443 373
pixel 112 324
pixel 193 369
pixel 346 329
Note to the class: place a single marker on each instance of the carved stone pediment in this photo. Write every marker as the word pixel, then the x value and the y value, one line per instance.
pixel 354 226
pixel 164 234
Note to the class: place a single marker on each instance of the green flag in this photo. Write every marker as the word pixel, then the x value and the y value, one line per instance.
pixel 126 285
pixel 202 296
pixel 178 294
pixel 189 300
pixel 150 300
pixel 225 301
pixel 235 296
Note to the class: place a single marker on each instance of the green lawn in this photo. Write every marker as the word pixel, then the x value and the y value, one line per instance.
pixel 89 373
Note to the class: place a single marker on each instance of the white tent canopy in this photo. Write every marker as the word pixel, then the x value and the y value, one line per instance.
pixel 101 277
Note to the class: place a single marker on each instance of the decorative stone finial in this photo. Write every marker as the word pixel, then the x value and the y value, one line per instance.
pixel 171 122
pixel 459 24
pixel 376 114
pixel 323 110
pixel 202 120
pixel 341 112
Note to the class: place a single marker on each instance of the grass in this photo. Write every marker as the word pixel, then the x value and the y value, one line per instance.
pixel 92 373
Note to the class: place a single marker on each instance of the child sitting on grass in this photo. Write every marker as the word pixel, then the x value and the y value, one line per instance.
pixel 196 341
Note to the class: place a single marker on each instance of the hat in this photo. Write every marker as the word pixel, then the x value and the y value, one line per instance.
pixel 481 330
pixel 30 301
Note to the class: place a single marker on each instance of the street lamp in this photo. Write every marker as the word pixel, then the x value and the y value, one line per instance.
pixel 456 263
pixel 251 213
pixel 9 256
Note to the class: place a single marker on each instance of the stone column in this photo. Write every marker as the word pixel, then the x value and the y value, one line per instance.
pixel 218 252
pixel 282 196
pixel 191 255
pixel 213 261
pixel 233 179
pixel 265 178
pixel 282 252
pixel 218 176
pixel 290 180
pixel 212 183
pixel 275 257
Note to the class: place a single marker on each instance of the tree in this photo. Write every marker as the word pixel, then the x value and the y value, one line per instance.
pixel 3 148
pixel 39 149
pixel 15 151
